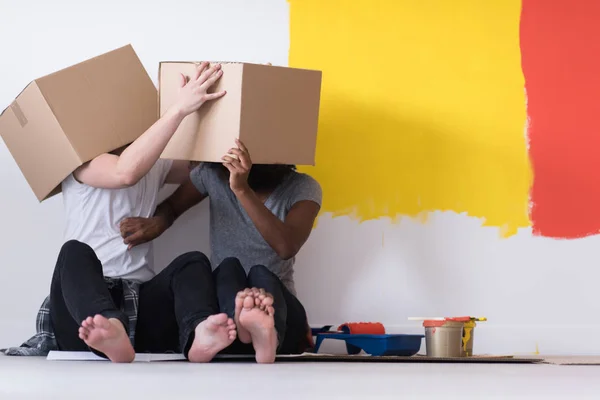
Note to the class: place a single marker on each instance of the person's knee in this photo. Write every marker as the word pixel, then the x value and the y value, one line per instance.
pixel 231 261
pixel 258 273
pixel 75 258
pixel 74 246
pixel 192 258
pixel 230 266
pixel 72 251
pixel 196 256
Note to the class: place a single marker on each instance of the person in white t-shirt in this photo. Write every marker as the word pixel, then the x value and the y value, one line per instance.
pixel 94 293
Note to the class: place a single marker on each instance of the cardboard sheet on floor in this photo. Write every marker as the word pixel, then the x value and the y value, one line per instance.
pixel 89 356
pixel 309 357
pixel 572 360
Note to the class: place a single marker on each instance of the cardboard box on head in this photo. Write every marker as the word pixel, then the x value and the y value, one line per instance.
pixel 67 118
pixel 274 111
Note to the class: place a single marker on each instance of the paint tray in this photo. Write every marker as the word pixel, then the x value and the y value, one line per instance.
pixel 376 345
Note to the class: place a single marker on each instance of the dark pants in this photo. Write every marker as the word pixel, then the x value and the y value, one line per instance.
pixel 171 305
pixel 290 317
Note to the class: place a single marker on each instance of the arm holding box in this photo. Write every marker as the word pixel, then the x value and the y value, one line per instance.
pixel 111 171
pixel 179 172
pixel 285 237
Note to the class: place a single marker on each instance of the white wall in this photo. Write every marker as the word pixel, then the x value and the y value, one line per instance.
pixel 40 37
pixel 538 293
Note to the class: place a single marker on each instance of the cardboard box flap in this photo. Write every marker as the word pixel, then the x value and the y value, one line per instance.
pixel 291 98
pixel 39 145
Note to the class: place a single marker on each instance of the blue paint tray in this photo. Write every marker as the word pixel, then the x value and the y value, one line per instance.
pixel 376 345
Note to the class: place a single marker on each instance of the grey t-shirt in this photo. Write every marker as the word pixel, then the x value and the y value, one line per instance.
pixel 232 232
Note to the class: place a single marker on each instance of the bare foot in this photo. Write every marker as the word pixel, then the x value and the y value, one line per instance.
pixel 258 320
pixel 212 335
pixel 249 298
pixel 108 336
pixel 244 299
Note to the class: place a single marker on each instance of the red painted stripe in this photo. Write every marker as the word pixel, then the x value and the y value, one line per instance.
pixel 560 47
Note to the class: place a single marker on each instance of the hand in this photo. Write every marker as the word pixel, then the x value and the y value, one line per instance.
pixel 195 92
pixel 136 231
pixel 238 162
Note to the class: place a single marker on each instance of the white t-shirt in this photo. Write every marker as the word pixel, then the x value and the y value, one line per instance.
pixel 93 217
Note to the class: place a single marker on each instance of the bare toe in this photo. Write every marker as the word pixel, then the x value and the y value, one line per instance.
pixel 232 331
pixel 83 333
pixel 88 323
pixel 101 322
pixel 220 319
pixel 248 302
pixel 268 301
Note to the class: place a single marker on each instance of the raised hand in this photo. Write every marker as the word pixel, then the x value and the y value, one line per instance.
pixel 238 162
pixel 194 93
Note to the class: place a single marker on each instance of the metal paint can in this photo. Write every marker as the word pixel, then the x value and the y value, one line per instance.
pixel 445 338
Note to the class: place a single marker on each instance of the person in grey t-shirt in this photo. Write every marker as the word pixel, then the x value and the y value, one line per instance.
pixel 260 217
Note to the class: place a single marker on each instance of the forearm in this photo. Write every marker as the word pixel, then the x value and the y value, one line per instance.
pixel 185 197
pixel 139 157
pixel 164 212
pixel 136 231
pixel 271 228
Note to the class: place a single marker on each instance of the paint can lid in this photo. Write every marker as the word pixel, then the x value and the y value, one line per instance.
pixel 434 323
pixel 459 319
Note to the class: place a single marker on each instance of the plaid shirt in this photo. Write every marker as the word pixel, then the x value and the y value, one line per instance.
pixel 44 340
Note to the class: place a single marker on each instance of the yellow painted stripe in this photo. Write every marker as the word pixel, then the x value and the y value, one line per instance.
pixel 423 107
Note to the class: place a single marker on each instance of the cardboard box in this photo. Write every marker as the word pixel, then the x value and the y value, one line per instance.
pixel 274 111
pixel 65 119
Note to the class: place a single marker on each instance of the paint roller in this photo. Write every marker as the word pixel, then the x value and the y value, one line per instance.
pixel 362 328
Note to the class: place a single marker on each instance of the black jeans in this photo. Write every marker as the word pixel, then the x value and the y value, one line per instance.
pixel 290 317
pixel 171 305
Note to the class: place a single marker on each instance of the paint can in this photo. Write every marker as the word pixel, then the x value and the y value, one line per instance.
pixel 444 338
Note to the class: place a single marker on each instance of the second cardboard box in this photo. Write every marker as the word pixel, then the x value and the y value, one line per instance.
pixel 274 111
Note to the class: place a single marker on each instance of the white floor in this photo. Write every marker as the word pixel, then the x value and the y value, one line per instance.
pixel 36 378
